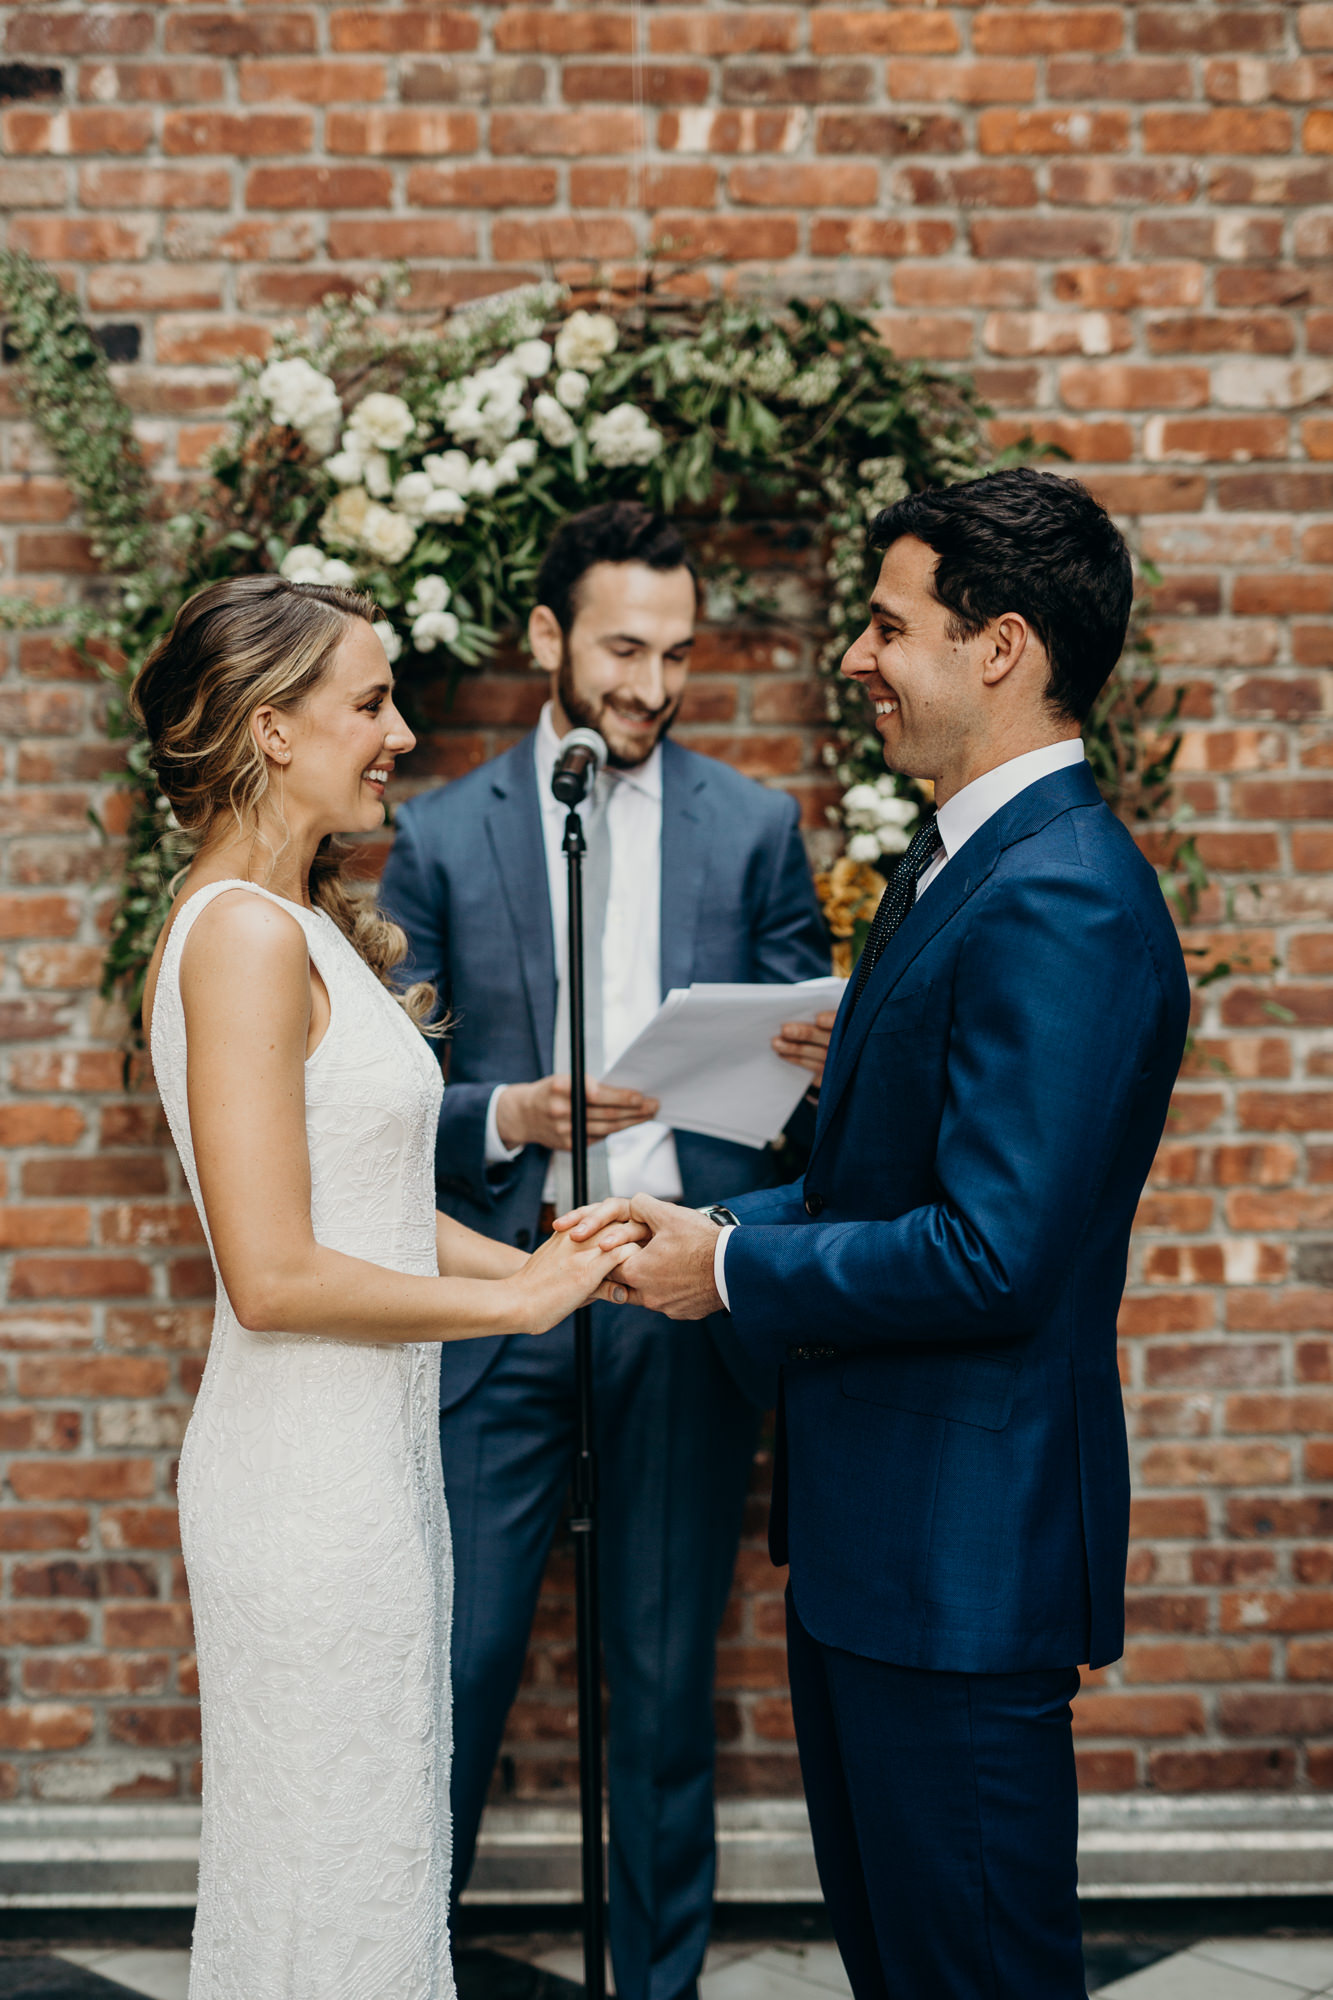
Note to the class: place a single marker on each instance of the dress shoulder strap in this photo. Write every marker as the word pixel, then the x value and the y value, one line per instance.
pixel 168 977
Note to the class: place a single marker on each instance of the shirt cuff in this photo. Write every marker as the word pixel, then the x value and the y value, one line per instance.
pixel 497 1153
pixel 720 1262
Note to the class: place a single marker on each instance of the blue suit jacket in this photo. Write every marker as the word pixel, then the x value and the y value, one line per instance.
pixel 944 1283
pixel 467 880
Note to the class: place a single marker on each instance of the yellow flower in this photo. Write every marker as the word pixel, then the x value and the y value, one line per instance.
pixel 849 894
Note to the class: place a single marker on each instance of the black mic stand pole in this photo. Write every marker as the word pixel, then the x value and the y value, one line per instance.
pixel 583 1520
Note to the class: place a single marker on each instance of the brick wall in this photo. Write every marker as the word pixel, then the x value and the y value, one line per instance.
pixel 1121 218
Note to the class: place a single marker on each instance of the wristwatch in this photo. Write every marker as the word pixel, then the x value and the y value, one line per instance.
pixel 723 1217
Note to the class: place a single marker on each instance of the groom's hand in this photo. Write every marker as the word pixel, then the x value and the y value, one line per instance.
pixel 673 1272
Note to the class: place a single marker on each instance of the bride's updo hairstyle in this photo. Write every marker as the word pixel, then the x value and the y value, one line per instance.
pixel 252 642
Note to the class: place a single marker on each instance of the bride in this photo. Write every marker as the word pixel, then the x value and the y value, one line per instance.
pixel 303 1099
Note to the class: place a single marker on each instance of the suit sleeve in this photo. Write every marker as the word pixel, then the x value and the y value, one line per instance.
pixel 791 939
pixel 1057 1006
pixel 413 891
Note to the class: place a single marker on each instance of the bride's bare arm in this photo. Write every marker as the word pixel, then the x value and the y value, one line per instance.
pixel 464 1253
pixel 245 986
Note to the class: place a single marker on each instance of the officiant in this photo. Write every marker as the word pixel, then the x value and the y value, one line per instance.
pixel 694 873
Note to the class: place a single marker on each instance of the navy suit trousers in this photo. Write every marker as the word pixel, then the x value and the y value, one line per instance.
pixel 945 1820
pixel 676 1441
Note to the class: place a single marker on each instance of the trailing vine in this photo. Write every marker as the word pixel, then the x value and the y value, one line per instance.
pixel 428 463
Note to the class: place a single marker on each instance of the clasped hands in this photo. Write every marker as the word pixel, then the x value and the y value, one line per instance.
pixel 669 1250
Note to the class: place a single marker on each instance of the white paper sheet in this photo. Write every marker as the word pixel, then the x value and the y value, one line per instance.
pixel 705 1054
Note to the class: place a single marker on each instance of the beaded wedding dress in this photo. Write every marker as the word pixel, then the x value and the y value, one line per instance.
pixel 317 1548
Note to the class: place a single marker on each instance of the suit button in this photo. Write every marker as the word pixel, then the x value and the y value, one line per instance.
pixel 522 1237
pixel 814 1204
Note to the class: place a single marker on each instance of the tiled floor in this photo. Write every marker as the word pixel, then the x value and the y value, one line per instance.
pixel 1222 1969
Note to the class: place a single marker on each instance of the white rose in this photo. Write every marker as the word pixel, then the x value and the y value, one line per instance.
pixel 444 505
pixel 532 358
pixel 388 638
pixel 863 847
pixel 303 564
pixel 345 467
pixel 342 519
pixel 522 453
pixel 860 799
pixel 504 471
pixel 555 424
pixel 448 468
pixel 585 340
pixel 337 571
pixel 382 422
pixel 432 627
pixel 432 593
pixel 299 396
pixel 481 479
pixel 385 535
pixel 896 812
pixel 411 493
pixel 490 407
pixel 624 436
pixel 571 388
pixel 377 478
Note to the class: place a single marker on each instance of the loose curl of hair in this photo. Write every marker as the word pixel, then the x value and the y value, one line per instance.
pixel 246 643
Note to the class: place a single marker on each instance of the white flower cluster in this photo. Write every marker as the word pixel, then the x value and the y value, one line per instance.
pixel 876 819
pixel 585 340
pixel 623 436
pixel 486 408
pixel 388 638
pixel 308 564
pixel 432 624
pixel 298 395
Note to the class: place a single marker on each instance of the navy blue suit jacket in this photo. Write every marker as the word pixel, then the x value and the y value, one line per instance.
pixel 943 1285
pixel 467 880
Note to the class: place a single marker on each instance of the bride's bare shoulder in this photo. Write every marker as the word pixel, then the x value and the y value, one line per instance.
pixel 240 943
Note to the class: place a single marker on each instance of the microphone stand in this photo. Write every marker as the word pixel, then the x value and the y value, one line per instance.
pixel 583 1520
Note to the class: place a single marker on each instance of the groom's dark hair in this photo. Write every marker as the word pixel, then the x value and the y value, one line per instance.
pixel 617 531
pixel 1034 543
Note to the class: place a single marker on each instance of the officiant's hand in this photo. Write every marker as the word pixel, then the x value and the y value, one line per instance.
pixel 671 1271
pixel 538 1114
pixel 806 1043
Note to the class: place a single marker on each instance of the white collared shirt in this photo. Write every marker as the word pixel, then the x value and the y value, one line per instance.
pixel 958 819
pixel 642 1160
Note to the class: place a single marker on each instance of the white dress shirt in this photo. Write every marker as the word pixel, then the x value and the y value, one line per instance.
pixel 642 1160
pixel 958 819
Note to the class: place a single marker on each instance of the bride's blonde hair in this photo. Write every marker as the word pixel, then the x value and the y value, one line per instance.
pixel 251 642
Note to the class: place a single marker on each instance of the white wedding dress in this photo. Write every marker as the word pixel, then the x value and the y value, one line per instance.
pixel 317 1548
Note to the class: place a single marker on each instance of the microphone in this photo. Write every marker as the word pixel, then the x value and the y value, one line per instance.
pixel 582 755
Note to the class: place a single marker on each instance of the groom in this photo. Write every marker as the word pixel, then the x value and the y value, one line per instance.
pixel 941 1289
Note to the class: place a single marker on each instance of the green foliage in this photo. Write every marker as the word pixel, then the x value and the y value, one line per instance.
pixel 798 412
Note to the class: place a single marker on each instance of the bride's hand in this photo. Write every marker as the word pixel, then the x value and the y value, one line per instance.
pixel 561 1274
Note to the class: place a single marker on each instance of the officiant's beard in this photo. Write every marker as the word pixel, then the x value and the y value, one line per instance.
pixel 585 714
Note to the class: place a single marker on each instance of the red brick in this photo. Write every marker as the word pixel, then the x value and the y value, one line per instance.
pixel 396 133
pixel 78 1277
pixel 268 81
pixel 242 134
pixel 79 31
pixel 543 32
pixel 883 31
pixel 481 187
pixel 1053 131
pixel 564 134
pixel 1208 30
pixel 1117 1714
pixel 1222 1770
pixel 927 80
pixel 45 1726
pixel 403 236
pixel 1196 1660
pixel 317 187
pixel 804 186
pixel 273 31
pixel 404 30
pixel 680 236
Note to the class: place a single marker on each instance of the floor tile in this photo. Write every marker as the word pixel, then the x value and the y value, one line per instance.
pixel 1186 1976
pixel 818 1965
pixel 765 1976
pixel 1306 1963
pixel 160 1975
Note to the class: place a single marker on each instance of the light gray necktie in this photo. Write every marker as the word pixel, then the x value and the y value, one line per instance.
pixel 596 893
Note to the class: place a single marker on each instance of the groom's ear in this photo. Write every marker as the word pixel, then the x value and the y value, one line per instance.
pixel 546 638
pixel 1009 640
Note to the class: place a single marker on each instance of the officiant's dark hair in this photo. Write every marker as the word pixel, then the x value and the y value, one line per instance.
pixel 617 531
pixel 1034 543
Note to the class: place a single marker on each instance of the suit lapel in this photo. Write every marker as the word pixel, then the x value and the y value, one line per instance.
pixel 685 837
pixel 514 831
pixel 959 880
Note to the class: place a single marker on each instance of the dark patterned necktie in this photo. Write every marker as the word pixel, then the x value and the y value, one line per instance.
pixel 898 898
